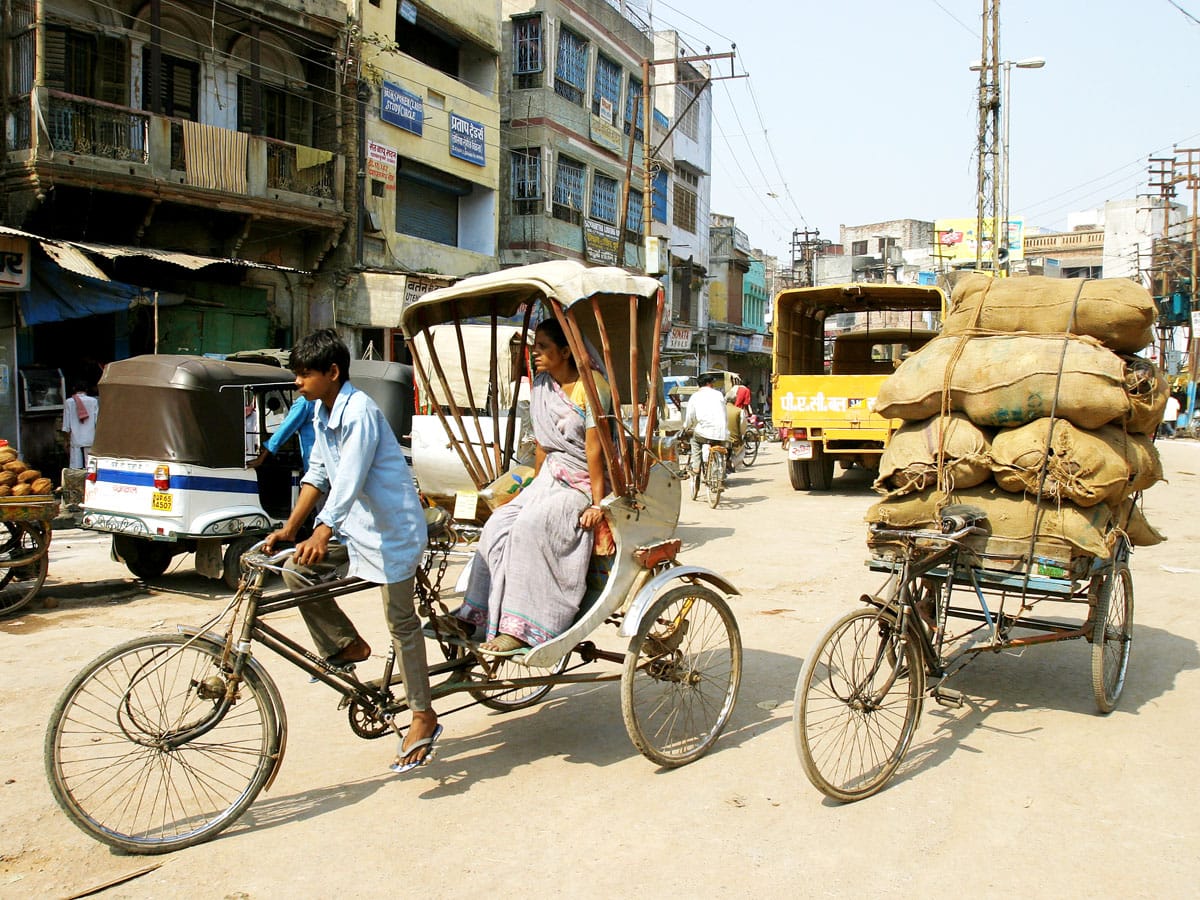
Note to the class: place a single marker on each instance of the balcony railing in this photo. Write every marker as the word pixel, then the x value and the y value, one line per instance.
pixel 95 128
pixel 299 169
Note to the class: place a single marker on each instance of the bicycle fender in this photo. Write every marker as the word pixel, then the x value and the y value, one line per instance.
pixel 217 642
pixel 648 593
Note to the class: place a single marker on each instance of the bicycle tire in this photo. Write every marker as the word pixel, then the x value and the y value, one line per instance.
pixel 715 482
pixel 752 441
pixel 679 685
pixel 132 746
pixel 509 699
pixel 851 738
pixel 25 570
pixel 1112 634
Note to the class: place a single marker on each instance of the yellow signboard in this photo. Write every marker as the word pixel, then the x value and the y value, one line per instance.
pixel 958 241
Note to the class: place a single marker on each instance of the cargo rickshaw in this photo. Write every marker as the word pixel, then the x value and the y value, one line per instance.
pixel 165 740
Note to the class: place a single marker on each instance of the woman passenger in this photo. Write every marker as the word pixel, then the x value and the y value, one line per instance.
pixel 529 575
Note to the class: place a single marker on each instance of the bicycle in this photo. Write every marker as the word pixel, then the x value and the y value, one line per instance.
pixel 861 689
pixel 714 459
pixel 746 451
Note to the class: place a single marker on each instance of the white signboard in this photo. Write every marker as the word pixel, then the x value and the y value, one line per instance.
pixel 14 263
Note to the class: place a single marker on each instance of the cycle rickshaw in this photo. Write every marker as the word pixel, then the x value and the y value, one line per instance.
pixel 165 740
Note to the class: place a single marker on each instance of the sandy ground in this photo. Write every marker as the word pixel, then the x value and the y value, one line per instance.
pixel 1023 791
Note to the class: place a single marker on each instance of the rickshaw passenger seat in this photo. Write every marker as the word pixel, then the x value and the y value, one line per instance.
pixel 597 577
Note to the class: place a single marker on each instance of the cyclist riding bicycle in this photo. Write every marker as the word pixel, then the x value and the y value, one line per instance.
pixel 705 418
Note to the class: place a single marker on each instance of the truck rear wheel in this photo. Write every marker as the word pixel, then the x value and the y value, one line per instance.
pixel 820 471
pixel 798 474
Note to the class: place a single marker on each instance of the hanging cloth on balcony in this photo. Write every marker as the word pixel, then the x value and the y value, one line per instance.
pixel 307 157
pixel 215 157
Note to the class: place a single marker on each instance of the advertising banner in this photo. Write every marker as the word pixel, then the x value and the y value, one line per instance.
pixel 678 338
pixel 601 242
pixel 381 164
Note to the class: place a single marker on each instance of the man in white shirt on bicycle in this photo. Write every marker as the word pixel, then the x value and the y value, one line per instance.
pixel 705 418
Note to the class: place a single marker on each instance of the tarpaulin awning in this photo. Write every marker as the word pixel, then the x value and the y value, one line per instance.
pixel 55 294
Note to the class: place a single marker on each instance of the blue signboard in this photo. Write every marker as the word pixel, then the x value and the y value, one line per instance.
pixel 401 108
pixel 467 139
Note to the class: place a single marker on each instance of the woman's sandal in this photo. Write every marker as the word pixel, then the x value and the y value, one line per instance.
pixel 503 645
pixel 400 767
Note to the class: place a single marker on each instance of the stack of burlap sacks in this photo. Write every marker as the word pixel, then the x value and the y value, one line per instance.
pixel 977 404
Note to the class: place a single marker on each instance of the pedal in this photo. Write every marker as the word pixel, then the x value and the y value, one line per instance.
pixel 948 697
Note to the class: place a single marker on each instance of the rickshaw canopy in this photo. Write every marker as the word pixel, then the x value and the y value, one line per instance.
pixel 173 408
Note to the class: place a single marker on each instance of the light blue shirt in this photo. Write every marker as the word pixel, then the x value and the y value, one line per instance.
pixel 371 501
pixel 299 420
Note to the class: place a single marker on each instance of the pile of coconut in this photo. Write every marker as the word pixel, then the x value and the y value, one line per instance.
pixel 1033 406
pixel 19 480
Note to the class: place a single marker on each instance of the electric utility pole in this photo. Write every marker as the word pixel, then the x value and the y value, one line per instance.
pixel 988 146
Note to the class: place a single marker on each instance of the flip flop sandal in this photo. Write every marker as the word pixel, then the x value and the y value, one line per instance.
pixel 431 742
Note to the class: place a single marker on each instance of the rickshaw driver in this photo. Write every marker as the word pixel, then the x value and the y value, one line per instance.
pixel 705 418
pixel 371 504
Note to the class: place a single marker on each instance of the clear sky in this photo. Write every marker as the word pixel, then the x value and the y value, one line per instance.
pixel 860 111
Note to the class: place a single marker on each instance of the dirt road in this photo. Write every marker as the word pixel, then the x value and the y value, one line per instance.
pixel 1024 791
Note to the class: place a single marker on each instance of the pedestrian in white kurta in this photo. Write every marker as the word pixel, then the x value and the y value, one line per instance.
pixel 79 420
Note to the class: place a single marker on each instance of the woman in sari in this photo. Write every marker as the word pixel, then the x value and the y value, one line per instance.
pixel 529 574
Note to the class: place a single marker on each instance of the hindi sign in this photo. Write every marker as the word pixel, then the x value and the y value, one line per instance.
pixel 467 139
pixel 401 108
pixel 14 263
pixel 381 164
pixel 601 242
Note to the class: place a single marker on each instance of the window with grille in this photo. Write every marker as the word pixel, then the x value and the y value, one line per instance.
pixel 570 66
pixel 688 82
pixel 633 216
pixel 604 198
pixel 528 62
pixel 858 248
pixel 527 181
pixel 286 116
pixel 87 65
pixel 606 90
pixel 686 185
pixel 567 201
pixel 633 97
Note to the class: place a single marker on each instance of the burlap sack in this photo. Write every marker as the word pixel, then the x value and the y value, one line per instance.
pixel 1009 516
pixel 910 461
pixel 1007 380
pixel 1085 467
pixel 1148 391
pixel 1116 311
pixel 1131 519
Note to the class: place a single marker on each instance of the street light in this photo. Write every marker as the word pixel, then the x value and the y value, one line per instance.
pixel 1032 62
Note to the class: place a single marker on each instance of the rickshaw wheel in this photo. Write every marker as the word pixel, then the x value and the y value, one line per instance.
pixel 140 754
pixel 506 700
pixel 1112 634
pixel 681 675
pixel 858 700
pixel 20 583
pixel 145 559
pixel 752 439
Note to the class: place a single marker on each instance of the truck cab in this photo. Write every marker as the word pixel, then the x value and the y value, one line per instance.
pixel 833 346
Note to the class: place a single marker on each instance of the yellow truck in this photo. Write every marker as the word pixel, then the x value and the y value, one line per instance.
pixel 833 346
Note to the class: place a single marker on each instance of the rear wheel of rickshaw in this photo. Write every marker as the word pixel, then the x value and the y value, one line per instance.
pixel 145 559
pixel 752 440
pixel 25 561
pixel 144 753
pixel 858 700
pixel 1112 633
pixel 681 677
pixel 798 474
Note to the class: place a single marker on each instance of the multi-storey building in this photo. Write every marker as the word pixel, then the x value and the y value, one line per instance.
pixel 681 188
pixel 173 177
pixel 573 129
pixel 736 305
pixel 431 155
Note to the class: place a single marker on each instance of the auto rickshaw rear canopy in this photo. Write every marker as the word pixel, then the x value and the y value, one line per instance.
pixel 173 408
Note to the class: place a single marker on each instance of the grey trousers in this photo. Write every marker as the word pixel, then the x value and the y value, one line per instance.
pixel 331 629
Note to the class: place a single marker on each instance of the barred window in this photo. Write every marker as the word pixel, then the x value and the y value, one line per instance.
pixel 633 216
pixel 633 97
pixel 686 185
pixel 527 181
pixel 528 62
pixel 607 87
pixel 570 66
pixel 604 198
pixel 567 201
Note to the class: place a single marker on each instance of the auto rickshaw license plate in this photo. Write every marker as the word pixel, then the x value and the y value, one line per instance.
pixel 160 501
pixel 800 450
